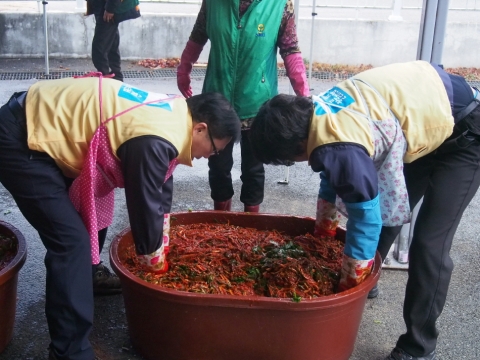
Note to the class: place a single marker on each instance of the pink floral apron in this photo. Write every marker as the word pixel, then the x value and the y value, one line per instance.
pixel 390 148
pixel 92 191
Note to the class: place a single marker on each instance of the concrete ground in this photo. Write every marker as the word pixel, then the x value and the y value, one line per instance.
pixel 382 321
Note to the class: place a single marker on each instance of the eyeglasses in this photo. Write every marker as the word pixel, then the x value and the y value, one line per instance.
pixel 215 151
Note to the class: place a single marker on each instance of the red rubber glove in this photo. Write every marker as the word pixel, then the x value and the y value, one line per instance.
pixel 189 57
pixel 295 69
pixel 155 262
pixel 353 272
pixel 166 232
pixel 327 219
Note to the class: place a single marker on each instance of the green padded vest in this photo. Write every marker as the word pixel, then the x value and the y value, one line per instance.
pixel 243 57
pixel 126 5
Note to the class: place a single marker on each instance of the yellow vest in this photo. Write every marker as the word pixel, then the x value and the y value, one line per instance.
pixel 414 93
pixel 62 116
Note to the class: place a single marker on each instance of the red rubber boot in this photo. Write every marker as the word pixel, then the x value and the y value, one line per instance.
pixel 252 208
pixel 222 205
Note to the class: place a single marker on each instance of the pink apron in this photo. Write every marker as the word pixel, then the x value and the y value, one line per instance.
pixel 92 191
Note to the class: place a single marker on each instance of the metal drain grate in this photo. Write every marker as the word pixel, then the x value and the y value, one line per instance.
pixel 165 74
pixel 147 74
pixel 128 74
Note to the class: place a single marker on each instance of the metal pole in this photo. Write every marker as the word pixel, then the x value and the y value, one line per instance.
pixel 439 34
pixel 427 30
pixel 415 211
pixel 296 7
pixel 286 175
pixel 311 45
pixel 396 13
pixel 430 48
pixel 47 72
pixel 400 250
pixel 80 6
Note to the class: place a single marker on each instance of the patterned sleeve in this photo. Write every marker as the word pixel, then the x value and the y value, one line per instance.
pixel 287 34
pixel 199 31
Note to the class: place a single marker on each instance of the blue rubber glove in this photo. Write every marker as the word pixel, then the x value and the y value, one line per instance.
pixel 363 229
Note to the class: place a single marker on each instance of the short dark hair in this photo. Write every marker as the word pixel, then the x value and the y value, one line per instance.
pixel 280 128
pixel 216 111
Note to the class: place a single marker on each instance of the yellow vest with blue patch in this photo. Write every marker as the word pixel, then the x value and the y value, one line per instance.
pixel 414 93
pixel 62 116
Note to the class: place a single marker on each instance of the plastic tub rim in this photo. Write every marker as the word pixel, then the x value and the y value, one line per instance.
pixel 14 266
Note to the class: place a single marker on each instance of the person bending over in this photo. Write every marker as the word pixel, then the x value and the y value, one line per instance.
pixel 66 144
pixel 381 141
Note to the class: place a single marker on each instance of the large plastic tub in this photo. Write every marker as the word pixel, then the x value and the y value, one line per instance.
pixel 8 285
pixel 174 325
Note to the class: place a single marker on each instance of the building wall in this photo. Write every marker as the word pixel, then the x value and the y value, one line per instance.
pixel 335 41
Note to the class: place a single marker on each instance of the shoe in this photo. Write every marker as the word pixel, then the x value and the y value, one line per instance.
pixel 115 77
pixel 372 294
pixel 251 208
pixel 399 354
pixel 51 355
pixel 222 205
pixel 105 282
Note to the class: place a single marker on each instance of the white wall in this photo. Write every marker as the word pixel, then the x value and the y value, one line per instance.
pixel 336 41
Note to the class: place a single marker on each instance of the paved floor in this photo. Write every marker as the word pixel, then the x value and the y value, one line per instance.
pixel 382 319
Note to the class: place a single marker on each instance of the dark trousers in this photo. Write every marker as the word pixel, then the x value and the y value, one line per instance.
pixel 105 48
pixel 448 183
pixel 40 191
pixel 253 174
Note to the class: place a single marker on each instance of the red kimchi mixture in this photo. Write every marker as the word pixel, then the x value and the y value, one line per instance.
pixel 226 259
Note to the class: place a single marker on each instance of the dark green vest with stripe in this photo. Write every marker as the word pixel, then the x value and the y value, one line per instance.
pixel 243 57
pixel 126 5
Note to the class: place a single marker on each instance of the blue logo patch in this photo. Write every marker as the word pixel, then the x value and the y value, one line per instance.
pixel 141 96
pixel 334 100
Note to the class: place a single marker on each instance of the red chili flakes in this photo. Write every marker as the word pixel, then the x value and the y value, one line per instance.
pixel 227 259
pixel 159 63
